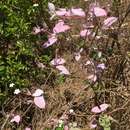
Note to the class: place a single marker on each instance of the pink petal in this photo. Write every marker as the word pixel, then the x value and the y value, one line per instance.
pixel 88 62
pixel 40 102
pixel 99 12
pixel 60 27
pixel 36 30
pixel 51 41
pixel 66 127
pixel 61 12
pixel 68 14
pixel 63 70
pixel 37 93
pixel 58 61
pixel 27 128
pixel 104 106
pixel 109 21
pixel 84 32
pixel 78 12
pixel 102 66
pixel 93 5
pixel 96 109
pixel 16 119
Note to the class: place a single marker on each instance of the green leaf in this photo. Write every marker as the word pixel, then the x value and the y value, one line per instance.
pixel 104 121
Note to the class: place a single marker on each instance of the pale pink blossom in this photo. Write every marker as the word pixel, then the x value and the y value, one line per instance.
pixel 109 21
pixel 62 12
pixel 16 119
pixel 60 27
pixel 27 128
pixel 63 70
pixel 93 5
pixel 52 39
pixel 102 66
pixel 88 62
pixel 85 32
pixel 37 93
pixel 104 106
pixel 96 109
pixel 78 12
pixel 36 30
pixel 39 102
pixel 100 109
pixel 66 127
pixel 99 12
pixel 57 61
pixel 72 12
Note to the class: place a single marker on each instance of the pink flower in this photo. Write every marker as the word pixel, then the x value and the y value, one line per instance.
pixel 93 5
pixel 96 110
pixel 57 61
pixel 63 70
pixel 40 102
pixel 16 119
pixel 99 12
pixel 100 109
pixel 51 41
pixel 66 127
pixel 102 66
pixel 60 27
pixel 85 32
pixel 109 21
pixel 69 13
pixel 88 62
pixel 78 12
pixel 103 107
pixel 27 128
pixel 36 30
pixel 37 93
pixel 63 12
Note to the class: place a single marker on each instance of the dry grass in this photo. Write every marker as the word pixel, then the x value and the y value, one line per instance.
pixel 114 88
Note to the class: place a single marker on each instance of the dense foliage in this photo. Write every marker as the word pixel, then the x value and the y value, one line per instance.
pixel 19 50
